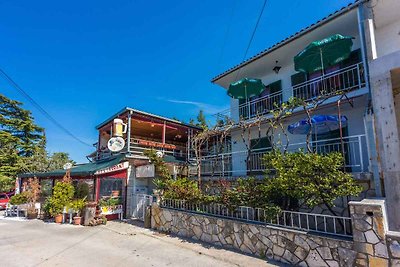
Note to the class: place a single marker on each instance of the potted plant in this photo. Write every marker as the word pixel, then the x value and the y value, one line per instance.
pixel 33 193
pixel 62 196
pixel 77 205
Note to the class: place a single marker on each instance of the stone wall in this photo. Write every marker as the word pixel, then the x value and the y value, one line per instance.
pixel 371 245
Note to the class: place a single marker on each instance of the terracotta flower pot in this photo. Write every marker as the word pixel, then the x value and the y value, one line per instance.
pixel 58 218
pixel 115 193
pixel 77 220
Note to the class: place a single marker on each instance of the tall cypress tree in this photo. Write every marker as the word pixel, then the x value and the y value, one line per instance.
pixel 20 138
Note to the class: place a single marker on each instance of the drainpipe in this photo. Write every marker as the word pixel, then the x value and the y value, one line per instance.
pixel 371 137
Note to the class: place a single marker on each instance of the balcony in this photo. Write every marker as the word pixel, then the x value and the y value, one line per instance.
pixel 343 80
pixel 137 147
pixel 242 163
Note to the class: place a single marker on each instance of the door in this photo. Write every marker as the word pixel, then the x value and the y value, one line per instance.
pixel 139 204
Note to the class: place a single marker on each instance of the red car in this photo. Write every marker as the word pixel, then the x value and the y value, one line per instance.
pixel 4 199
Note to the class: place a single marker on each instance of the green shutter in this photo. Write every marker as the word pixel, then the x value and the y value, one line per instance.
pixel 298 78
pixel 275 86
pixel 259 143
pixel 354 58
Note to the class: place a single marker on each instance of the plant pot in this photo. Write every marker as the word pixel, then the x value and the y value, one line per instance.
pixel 58 218
pixel 115 193
pixel 77 220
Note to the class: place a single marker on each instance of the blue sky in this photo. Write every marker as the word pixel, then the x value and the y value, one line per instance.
pixel 85 60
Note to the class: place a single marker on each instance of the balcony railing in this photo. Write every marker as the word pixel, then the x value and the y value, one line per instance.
pixel 346 79
pixel 343 80
pixel 243 163
pixel 139 146
pixel 257 107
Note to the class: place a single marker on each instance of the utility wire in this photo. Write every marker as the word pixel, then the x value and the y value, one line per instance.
pixel 228 29
pixel 40 108
pixel 252 36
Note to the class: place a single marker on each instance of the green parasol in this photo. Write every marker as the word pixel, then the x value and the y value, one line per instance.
pixel 245 88
pixel 325 52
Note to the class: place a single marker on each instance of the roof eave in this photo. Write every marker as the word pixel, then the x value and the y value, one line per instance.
pixel 125 109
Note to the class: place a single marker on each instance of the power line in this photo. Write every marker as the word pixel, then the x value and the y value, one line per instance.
pixel 228 29
pixel 42 110
pixel 252 35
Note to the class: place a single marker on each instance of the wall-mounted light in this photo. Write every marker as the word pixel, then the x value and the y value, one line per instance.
pixel 277 68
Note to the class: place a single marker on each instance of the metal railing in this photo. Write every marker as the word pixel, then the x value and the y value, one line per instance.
pixel 138 150
pixel 310 222
pixel 257 107
pixel 346 79
pixel 242 163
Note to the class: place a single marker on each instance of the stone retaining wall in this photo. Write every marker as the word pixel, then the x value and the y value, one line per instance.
pixel 370 247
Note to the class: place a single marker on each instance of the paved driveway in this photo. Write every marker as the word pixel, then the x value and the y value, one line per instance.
pixel 35 243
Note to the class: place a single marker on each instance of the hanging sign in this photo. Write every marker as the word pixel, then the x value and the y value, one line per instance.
pixel 116 144
pixel 118 167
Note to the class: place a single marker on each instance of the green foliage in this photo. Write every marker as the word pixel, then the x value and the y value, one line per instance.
pixel 77 205
pixel 201 120
pixel 109 202
pixel 248 192
pixel 312 178
pixel 81 190
pixel 161 169
pixel 62 196
pixel 19 199
pixel 22 144
pixel 183 188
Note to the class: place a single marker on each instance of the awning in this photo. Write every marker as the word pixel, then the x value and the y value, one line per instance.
pixel 246 88
pixel 323 53
pixel 81 170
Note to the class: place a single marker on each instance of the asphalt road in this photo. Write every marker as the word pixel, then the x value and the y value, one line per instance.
pixel 35 243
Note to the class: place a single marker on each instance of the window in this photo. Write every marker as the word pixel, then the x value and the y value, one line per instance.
pixel 84 188
pixel 260 143
pixel 46 187
pixel 110 187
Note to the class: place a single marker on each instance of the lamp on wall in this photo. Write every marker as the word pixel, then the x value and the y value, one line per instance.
pixel 277 68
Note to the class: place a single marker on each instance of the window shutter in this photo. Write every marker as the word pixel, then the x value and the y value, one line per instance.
pixel 298 78
pixel 275 86
pixel 354 58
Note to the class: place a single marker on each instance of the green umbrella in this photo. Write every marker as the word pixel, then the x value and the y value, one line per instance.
pixel 245 88
pixel 325 52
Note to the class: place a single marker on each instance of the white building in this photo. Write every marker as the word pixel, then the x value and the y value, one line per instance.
pixel 375 27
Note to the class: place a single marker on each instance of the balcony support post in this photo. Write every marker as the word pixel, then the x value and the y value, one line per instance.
pixel 164 132
pixel 128 138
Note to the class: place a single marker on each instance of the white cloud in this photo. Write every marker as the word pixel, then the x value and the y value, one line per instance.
pixel 207 108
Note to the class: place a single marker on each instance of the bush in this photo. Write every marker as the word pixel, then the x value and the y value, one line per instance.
pixel 19 199
pixel 78 205
pixel 109 202
pixel 62 195
pixel 310 178
pixel 82 190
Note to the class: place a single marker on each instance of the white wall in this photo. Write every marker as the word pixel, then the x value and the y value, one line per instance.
pixel 355 126
pixel 388 38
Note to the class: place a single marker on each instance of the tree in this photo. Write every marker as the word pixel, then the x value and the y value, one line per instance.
pixel 307 179
pixel 19 137
pixel 201 120
pixel 22 145
pixel 58 159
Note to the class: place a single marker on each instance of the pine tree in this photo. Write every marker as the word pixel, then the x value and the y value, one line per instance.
pixel 201 119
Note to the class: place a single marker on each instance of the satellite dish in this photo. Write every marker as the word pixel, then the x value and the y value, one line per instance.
pixel 67 166
pixel 159 154
pixel 116 144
